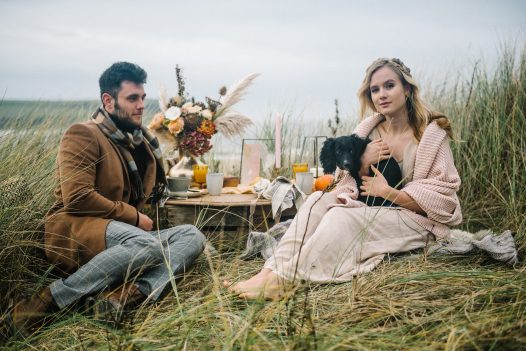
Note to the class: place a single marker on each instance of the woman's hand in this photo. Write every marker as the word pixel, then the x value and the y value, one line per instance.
pixel 375 152
pixel 375 186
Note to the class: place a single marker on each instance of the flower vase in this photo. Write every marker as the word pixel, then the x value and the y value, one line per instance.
pixel 183 167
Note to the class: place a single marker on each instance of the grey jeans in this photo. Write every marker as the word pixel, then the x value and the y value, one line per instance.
pixel 149 259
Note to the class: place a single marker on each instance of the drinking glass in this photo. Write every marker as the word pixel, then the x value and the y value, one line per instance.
pixel 214 183
pixel 200 172
pixel 299 167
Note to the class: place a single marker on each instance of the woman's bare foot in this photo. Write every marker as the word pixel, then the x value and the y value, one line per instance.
pixel 256 280
pixel 271 288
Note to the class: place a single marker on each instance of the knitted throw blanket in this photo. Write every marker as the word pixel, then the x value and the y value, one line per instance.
pixel 126 142
pixel 501 247
pixel 435 180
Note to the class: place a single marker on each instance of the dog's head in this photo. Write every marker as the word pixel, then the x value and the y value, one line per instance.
pixel 344 152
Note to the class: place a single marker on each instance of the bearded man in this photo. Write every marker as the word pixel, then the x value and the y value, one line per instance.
pixel 108 168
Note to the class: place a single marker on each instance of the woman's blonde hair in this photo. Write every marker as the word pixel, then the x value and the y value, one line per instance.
pixel 419 114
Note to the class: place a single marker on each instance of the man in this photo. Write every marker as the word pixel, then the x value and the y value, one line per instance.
pixel 108 168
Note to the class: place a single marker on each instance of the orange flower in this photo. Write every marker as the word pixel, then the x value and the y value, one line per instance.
pixel 207 128
pixel 176 126
pixel 157 121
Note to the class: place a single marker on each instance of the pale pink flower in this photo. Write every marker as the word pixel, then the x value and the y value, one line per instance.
pixel 194 109
pixel 186 106
pixel 206 114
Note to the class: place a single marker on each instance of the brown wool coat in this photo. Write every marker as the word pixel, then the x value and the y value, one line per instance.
pixel 94 188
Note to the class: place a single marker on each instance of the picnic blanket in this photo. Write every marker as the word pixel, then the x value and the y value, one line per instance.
pixel 501 247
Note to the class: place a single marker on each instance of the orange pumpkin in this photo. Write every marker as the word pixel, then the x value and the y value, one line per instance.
pixel 323 182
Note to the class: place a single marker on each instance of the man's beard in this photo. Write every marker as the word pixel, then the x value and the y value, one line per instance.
pixel 121 120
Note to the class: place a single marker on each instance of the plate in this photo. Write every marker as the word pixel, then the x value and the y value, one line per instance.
pixel 189 193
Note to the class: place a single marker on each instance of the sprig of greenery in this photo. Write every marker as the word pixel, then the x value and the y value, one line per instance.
pixel 180 82
pixel 333 127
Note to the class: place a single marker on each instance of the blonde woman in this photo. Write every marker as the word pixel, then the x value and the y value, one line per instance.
pixel 334 237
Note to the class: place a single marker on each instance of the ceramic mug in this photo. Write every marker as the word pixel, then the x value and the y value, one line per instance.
pixel 178 184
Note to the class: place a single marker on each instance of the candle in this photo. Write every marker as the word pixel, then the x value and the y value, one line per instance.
pixel 278 140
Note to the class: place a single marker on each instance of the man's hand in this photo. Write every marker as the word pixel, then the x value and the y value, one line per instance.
pixel 375 152
pixel 145 222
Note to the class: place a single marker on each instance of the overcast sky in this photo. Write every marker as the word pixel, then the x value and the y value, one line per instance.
pixel 308 52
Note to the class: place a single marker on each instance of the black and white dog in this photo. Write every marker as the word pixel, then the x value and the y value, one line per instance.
pixel 346 152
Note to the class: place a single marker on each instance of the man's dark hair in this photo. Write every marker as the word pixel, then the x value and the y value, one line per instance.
pixel 111 79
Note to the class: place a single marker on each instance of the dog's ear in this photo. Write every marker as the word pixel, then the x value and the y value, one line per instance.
pixel 328 156
pixel 361 144
pixel 358 146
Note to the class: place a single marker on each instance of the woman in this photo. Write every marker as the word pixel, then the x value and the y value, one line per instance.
pixel 334 236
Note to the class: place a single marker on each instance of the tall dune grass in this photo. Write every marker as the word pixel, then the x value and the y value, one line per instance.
pixel 411 302
pixel 489 116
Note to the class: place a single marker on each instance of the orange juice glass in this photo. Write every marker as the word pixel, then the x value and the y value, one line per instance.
pixel 299 167
pixel 200 172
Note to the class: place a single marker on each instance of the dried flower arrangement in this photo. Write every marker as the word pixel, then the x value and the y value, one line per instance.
pixel 192 124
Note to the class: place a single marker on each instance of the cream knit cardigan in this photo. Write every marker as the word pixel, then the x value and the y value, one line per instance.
pixel 435 180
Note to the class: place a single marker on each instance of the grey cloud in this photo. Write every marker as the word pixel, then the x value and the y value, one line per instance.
pixel 307 51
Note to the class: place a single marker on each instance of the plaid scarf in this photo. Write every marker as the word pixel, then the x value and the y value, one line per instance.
pixel 125 142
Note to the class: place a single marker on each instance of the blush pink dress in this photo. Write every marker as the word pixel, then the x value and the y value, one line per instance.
pixel 333 244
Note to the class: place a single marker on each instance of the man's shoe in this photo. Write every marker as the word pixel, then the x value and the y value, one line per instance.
pixel 111 305
pixel 29 314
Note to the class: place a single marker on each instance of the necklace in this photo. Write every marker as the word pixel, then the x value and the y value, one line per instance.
pixel 386 127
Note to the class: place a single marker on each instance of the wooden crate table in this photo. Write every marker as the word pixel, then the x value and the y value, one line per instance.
pixel 226 214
